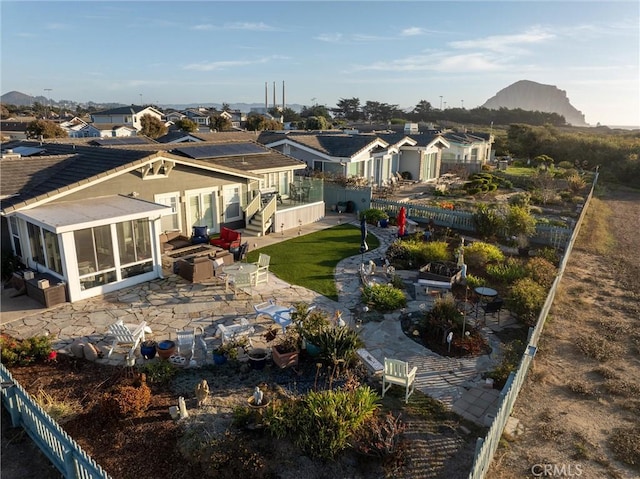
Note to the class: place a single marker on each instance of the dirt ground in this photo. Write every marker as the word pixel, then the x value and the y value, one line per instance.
pixel 579 410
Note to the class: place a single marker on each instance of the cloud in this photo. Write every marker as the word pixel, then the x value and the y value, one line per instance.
pixel 330 37
pixel 205 66
pixel 256 27
pixel 203 27
pixel 505 43
pixel 440 62
pixel 56 26
pixel 412 31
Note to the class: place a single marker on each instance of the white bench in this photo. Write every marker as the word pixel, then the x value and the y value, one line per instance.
pixel 228 333
pixel 434 284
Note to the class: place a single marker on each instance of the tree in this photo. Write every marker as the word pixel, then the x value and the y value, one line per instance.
pixel 257 122
pixel 4 112
pixel 152 126
pixel 422 110
pixel 316 123
pixel 45 129
pixel 226 107
pixel 348 108
pixel 315 110
pixel 289 114
pixel 220 123
pixel 187 125
pixel 544 161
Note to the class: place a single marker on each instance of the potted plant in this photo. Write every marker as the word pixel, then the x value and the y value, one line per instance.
pixel 229 350
pixel 257 358
pixel 148 349
pixel 286 351
pixel 310 323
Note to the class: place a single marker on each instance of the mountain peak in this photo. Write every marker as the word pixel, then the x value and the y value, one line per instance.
pixel 532 96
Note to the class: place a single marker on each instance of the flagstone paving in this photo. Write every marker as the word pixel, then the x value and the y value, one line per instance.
pixel 171 304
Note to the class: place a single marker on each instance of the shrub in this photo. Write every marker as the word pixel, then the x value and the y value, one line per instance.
pixel 625 445
pixel 474 281
pixel 26 351
pixel 520 199
pixel 508 271
pixel 519 221
pixel 383 297
pixel 488 220
pixel 159 372
pixel 511 357
pixel 130 401
pixel 380 436
pixel 526 299
pixel 373 215
pixel 541 271
pixel 337 344
pixel 322 423
pixel 60 411
pixel 479 254
pixel 414 251
pixel 550 254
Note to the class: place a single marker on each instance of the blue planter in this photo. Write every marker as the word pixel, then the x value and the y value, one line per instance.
pixel 384 223
pixel 148 352
pixel 219 359
pixel 312 349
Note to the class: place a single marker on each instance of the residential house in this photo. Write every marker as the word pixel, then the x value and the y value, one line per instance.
pixel 92 216
pixel 418 155
pixel 13 129
pixel 200 116
pixel 127 115
pixel 467 150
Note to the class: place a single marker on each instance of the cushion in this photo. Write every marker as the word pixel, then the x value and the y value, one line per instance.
pixel 90 352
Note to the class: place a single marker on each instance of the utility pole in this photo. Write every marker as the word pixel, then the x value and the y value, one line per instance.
pixel 462 103
pixel 140 99
pixel 440 102
pixel 48 104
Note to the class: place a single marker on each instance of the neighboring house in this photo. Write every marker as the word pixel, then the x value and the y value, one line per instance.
pixel 92 216
pixel 375 157
pixel 179 136
pixel 419 155
pixel 468 150
pixel 200 116
pixel 174 116
pixel 13 130
pixel 107 130
pixel 126 115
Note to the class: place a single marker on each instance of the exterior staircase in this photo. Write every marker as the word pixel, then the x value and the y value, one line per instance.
pixel 255 225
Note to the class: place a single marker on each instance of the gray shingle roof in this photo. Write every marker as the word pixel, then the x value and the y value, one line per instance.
pixel 122 110
pixel 337 145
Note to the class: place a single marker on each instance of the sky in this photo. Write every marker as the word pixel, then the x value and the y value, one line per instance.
pixel 451 54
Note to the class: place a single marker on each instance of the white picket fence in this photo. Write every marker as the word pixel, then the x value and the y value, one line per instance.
pixel 63 452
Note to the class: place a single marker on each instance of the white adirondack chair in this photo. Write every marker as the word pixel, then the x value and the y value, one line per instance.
pixel 123 334
pixel 262 274
pixel 397 372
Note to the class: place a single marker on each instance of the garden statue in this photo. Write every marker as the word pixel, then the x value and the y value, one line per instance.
pixel 257 397
pixel 182 408
pixel 202 392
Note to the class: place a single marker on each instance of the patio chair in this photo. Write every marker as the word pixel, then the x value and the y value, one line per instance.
pixel 240 281
pixel 492 307
pixel 397 372
pixel 280 314
pixel 262 274
pixel 124 334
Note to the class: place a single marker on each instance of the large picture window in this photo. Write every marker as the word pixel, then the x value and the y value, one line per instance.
pixel 134 245
pixel 35 242
pixel 94 250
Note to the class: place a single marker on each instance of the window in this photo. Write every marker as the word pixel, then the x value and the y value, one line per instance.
pixel 15 233
pixel 232 209
pixel 52 250
pixel 134 246
pixel 170 222
pixel 94 249
pixel 35 242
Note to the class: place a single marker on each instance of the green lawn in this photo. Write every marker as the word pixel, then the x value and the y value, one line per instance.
pixel 310 260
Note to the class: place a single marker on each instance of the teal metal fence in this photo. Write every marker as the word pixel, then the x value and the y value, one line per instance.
pixel 63 452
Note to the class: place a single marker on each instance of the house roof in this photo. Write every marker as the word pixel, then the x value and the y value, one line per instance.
pixel 176 136
pixel 121 140
pixel 466 138
pixel 72 215
pixel 336 145
pixel 122 110
pixel 64 167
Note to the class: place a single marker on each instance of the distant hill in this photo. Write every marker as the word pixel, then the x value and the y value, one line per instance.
pixel 532 96
pixel 21 99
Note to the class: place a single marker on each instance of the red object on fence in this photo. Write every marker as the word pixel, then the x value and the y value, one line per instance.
pixel 402 221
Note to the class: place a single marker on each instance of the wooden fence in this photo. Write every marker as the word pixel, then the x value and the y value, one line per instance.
pixel 487 446
pixel 63 452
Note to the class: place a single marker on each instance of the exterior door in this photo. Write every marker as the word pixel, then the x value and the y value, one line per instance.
pixel 202 209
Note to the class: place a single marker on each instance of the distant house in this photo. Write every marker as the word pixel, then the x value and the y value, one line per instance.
pixel 198 116
pixel 175 116
pixel 126 115
pixel 468 150
pixel 421 157
pixel 13 130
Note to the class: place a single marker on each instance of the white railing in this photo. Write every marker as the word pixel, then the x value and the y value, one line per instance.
pixel 63 452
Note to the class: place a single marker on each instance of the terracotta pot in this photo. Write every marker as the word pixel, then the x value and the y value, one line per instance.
pixel 166 349
pixel 283 360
